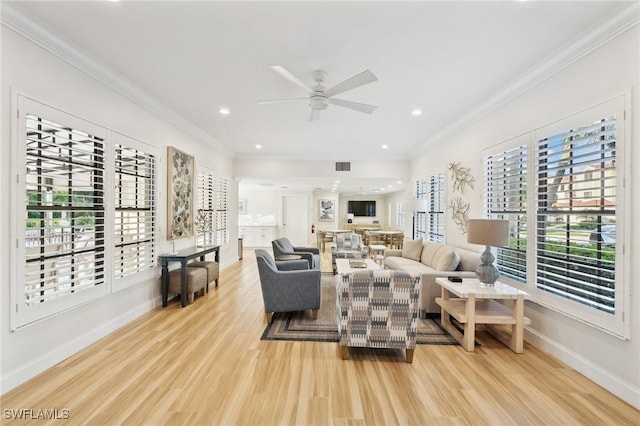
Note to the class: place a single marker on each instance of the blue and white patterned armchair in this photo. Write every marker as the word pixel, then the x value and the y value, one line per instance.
pixel 378 309
pixel 347 246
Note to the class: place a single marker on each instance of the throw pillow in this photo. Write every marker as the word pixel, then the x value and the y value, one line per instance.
pixel 446 259
pixel 412 249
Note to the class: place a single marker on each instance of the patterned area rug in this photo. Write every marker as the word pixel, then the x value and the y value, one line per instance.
pixel 301 327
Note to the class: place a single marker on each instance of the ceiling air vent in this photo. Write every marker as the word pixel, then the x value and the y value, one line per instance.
pixel 343 166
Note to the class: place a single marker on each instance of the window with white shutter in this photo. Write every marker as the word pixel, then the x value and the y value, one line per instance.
pixel 221 205
pixel 576 244
pixel 61 256
pixel 205 227
pixel 506 198
pixel 212 223
pixel 435 208
pixel 560 188
pixel 420 216
pixel 135 211
pixel 429 219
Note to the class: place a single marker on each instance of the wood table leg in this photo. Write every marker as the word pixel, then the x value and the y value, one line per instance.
pixel 517 330
pixel 469 338
pixel 344 352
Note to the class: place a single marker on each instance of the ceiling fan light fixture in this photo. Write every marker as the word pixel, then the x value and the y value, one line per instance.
pixel 320 98
pixel 318 102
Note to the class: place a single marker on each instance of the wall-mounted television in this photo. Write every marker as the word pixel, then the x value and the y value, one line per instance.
pixel 361 208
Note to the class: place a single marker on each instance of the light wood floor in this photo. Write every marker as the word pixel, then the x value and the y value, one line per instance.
pixel 205 364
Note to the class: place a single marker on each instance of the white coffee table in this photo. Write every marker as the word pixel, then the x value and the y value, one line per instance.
pixel 343 267
pixel 476 304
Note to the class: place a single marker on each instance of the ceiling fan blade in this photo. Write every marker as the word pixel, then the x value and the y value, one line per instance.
pixel 361 79
pixel 292 78
pixel 315 115
pixel 367 109
pixel 273 101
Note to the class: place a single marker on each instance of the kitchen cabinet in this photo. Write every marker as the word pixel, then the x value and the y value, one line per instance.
pixel 257 236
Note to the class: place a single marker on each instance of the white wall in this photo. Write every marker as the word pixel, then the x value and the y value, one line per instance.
pixel 32 71
pixel 607 72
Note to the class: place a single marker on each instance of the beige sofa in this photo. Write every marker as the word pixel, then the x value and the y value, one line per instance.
pixel 431 260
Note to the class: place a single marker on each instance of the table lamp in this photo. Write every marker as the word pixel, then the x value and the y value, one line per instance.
pixel 490 232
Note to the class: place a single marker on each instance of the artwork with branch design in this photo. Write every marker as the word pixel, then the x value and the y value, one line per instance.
pixel 460 213
pixel 461 177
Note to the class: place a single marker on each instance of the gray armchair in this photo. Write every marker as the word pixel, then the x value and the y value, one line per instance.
pixel 288 285
pixel 282 248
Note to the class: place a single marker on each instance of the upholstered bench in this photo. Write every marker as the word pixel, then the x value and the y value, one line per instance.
pixel 213 271
pixel 196 281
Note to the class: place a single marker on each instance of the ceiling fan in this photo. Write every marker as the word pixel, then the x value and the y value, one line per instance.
pixel 319 97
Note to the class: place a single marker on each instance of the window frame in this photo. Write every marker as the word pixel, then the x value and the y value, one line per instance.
pixel 150 271
pixel 23 315
pixel 617 324
pixel 428 221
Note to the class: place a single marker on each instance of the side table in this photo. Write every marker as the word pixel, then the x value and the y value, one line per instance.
pixel 377 253
pixel 476 304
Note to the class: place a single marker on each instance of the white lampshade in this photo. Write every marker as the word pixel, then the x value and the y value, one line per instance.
pixel 415 205
pixel 350 215
pixel 488 232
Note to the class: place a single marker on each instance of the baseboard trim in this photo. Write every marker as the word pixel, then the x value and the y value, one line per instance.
pixel 621 388
pixel 23 373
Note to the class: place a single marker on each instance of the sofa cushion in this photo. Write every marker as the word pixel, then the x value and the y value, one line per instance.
pixel 412 249
pixel 469 260
pixel 445 259
pixel 393 262
pixel 429 251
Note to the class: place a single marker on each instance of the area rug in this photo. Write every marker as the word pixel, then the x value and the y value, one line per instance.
pixel 300 326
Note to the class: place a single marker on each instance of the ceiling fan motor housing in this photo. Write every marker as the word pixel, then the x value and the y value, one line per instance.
pixel 318 102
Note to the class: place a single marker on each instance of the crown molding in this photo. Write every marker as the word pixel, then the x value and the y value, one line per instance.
pixel 40 33
pixel 619 21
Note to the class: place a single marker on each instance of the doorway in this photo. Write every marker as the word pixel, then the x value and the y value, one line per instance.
pixel 295 219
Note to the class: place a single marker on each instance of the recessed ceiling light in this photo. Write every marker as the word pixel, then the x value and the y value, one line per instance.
pixel 416 112
pixel 224 111
pixel 337 181
pixel 384 146
pixel 399 182
pixel 258 146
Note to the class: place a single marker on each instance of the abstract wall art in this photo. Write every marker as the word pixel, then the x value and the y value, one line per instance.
pixel 180 181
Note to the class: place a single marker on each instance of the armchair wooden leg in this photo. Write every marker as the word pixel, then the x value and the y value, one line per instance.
pixel 268 317
pixel 191 297
pixel 344 352
pixel 314 314
pixel 409 355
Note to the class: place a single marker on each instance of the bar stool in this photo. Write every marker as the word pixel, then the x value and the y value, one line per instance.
pixel 213 271
pixel 196 281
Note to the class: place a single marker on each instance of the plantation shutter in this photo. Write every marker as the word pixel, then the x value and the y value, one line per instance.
pixel 221 203
pixel 206 210
pixel 135 211
pixel 506 198
pixel 576 214
pixel 64 217
pixel 436 207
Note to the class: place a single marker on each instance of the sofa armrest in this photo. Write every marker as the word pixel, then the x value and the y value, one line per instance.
pixel 392 253
pixel 312 250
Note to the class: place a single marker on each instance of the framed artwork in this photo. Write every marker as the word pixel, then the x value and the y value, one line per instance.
pixel 327 211
pixel 242 206
pixel 180 187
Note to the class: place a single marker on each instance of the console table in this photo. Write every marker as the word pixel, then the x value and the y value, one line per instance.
pixel 183 256
pixel 477 304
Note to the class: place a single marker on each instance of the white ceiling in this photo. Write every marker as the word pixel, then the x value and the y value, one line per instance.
pixel 446 58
